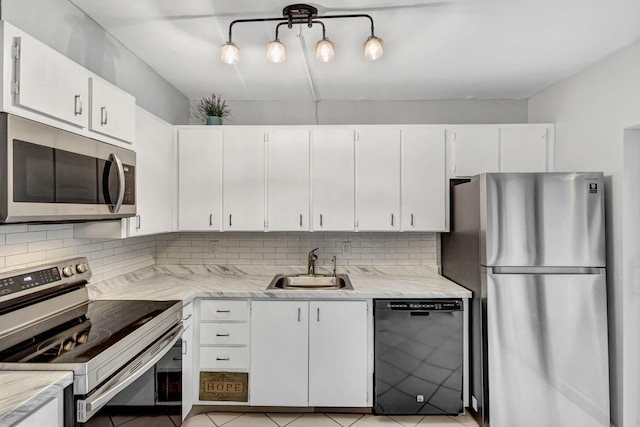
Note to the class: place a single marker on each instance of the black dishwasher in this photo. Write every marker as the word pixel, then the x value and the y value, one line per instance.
pixel 418 356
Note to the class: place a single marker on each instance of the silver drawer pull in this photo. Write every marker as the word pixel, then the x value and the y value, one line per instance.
pixel 222 335
pixel 222 358
pixel 187 318
pixel 223 311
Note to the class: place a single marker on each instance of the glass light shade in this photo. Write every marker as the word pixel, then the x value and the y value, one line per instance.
pixel 275 51
pixel 229 53
pixel 324 50
pixel 373 48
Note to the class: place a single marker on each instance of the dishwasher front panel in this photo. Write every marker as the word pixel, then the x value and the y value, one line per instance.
pixel 418 356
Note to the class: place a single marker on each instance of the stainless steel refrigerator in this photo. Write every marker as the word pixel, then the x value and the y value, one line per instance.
pixel 531 248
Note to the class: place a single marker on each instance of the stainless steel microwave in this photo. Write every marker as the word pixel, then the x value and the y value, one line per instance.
pixel 53 175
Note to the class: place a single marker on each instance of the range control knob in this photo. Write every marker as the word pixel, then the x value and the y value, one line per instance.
pixel 68 271
pixel 82 268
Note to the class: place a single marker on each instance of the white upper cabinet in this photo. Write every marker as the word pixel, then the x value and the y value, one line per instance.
pixel 49 83
pixel 423 178
pixel 476 150
pixel 378 178
pixel 112 110
pixel 154 177
pixel 44 85
pixel 332 179
pixel 524 148
pixel 200 178
pixel 243 182
pixel 288 179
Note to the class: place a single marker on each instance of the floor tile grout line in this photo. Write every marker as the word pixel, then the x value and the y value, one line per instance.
pixel 299 416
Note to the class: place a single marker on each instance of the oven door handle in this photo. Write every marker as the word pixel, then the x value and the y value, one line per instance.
pixel 132 371
pixel 115 208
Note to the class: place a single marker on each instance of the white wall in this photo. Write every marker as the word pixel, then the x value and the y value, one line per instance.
pixel 591 111
pixel 65 28
pixel 373 112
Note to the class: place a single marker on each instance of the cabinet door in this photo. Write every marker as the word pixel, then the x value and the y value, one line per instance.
pixel 200 179
pixel 243 179
pixel 112 110
pixel 279 353
pixel 154 154
pixel 338 362
pixel 332 179
pixel 378 178
pixel 51 84
pixel 188 351
pixel 288 179
pixel 524 149
pixel 423 179
pixel 476 150
pixel 50 414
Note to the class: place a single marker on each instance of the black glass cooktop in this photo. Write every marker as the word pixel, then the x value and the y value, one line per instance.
pixel 77 335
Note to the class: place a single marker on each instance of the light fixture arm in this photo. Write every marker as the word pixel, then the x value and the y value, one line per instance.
pixel 300 14
pixel 312 22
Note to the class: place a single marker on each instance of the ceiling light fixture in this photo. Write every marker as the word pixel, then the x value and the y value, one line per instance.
pixel 301 14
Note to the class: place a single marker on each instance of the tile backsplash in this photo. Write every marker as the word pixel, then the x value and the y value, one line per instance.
pixel 27 245
pixel 279 248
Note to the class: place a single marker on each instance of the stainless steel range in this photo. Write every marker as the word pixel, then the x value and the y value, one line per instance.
pixel 47 322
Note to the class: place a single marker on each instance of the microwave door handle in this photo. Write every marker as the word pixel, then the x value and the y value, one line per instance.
pixel 115 208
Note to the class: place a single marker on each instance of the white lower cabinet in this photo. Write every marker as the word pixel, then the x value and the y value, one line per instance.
pixel 222 333
pixel 50 414
pixel 310 353
pixel 187 359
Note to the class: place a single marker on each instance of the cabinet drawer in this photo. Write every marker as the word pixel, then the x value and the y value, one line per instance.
pixel 224 310
pixel 221 357
pixel 224 333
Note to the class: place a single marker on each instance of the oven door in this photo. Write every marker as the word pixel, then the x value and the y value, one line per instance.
pixel 88 405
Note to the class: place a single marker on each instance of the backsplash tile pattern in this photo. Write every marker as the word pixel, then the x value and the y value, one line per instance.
pixel 280 248
pixel 26 245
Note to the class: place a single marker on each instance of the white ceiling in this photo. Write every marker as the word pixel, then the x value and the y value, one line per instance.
pixel 446 49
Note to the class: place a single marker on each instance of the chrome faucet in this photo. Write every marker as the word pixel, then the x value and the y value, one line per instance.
pixel 311 262
pixel 333 260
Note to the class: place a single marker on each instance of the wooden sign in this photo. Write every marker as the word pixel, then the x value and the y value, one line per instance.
pixel 224 386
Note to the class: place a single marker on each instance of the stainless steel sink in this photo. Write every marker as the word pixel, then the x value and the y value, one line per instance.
pixel 311 282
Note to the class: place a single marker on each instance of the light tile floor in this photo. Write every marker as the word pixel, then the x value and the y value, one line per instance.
pixel 234 419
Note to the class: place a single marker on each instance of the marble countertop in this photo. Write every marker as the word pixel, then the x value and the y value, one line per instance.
pixel 22 392
pixel 185 282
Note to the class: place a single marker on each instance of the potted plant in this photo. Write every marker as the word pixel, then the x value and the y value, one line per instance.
pixel 214 108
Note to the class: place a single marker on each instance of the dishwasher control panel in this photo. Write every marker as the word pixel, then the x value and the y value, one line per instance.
pixel 424 305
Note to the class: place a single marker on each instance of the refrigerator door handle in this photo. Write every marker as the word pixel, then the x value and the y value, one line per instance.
pixel 546 270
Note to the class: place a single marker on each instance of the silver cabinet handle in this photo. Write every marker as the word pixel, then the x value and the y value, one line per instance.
pixel 320 220
pixel 138 222
pixel 184 347
pixel 104 116
pixel 222 358
pixel 298 314
pixel 392 220
pixel 300 220
pixel 210 220
pixel 121 183
pixel 187 318
pixel 223 335
pixel 77 105
pixel 223 311
pixel 412 220
pixel 318 314
pixel 229 220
